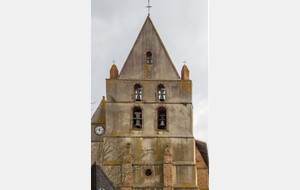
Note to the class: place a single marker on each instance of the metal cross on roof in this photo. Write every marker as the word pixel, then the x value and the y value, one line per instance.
pixel 184 62
pixel 114 61
pixel 148 7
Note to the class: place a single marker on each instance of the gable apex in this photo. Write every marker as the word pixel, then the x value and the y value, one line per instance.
pixel 99 115
pixel 148 58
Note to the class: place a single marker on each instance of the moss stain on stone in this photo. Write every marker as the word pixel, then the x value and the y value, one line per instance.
pixel 160 150
pixel 185 184
pixel 110 163
pixel 147 70
pixel 185 88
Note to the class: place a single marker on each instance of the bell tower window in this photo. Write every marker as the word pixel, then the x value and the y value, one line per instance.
pixel 161 93
pixel 138 92
pixel 137 117
pixel 149 57
pixel 161 118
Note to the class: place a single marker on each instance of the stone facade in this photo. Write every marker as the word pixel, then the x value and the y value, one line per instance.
pixel 202 165
pixel 159 150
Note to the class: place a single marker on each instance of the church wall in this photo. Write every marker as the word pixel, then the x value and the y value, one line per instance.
pixel 119 118
pixel 109 147
pixel 148 144
pixel 184 176
pixel 151 150
pixel 202 171
pixel 120 102
pixel 142 181
pixel 183 151
pixel 135 66
pixel 177 91
pixel 94 152
pixel 203 179
pixel 149 153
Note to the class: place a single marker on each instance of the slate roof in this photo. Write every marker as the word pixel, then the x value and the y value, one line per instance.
pixel 202 147
pixel 100 179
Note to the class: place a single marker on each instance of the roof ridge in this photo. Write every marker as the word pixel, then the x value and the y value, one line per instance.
pixel 202 147
pixel 133 46
pixel 159 41
pixel 200 141
pixel 164 47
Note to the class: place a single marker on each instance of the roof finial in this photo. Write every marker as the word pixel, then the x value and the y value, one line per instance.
pixel 148 7
pixel 184 62
pixel 114 61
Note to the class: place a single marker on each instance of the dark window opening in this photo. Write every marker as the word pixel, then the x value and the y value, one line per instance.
pixel 148 172
pixel 137 117
pixel 161 93
pixel 162 118
pixel 138 92
pixel 149 57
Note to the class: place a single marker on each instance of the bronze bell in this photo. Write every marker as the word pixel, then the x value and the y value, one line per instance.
pixel 137 123
pixel 162 121
pixel 138 92
pixel 161 98
pixel 149 60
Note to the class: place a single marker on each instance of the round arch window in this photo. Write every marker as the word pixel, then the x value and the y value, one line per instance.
pixel 149 57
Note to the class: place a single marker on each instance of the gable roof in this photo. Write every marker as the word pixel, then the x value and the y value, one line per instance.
pixel 202 147
pixel 135 66
pixel 100 179
pixel 99 115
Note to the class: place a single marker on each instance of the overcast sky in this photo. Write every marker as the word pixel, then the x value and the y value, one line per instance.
pixel 183 28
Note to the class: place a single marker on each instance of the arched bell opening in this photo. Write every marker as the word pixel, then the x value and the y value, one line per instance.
pixel 137 117
pixel 149 57
pixel 161 91
pixel 161 118
pixel 138 92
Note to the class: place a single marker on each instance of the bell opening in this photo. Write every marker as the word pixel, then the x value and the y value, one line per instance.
pixel 137 118
pixel 138 92
pixel 149 57
pixel 161 93
pixel 162 119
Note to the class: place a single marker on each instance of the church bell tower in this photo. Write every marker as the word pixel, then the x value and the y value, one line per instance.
pixel 142 133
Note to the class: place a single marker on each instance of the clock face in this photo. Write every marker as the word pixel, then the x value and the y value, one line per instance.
pixel 99 130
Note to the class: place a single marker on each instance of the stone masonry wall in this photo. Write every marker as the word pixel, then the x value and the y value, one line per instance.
pixel 202 172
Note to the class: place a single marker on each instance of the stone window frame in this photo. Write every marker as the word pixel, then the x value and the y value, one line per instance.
pixel 157 93
pixel 133 90
pixel 131 117
pixel 156 118
pixel 145 57
pixel 144 170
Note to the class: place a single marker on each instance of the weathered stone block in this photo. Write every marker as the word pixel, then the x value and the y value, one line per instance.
pixel 168 175
pixel 168 158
